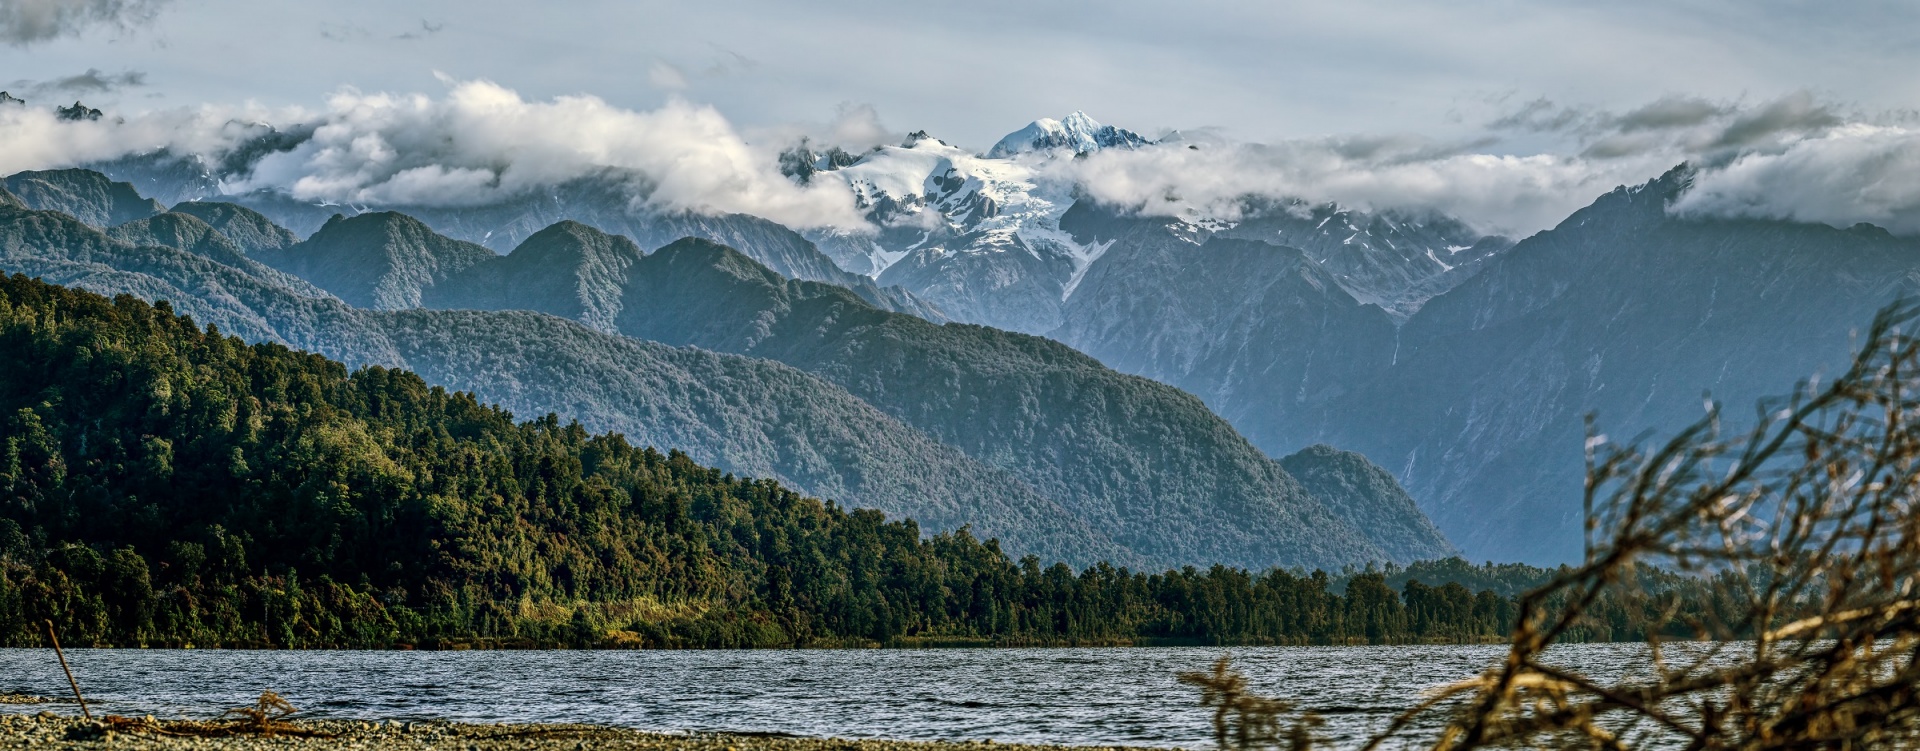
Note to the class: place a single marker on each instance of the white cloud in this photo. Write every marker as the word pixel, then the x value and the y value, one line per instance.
pixel 482 143
pixel 1513 195
pixel 35 138
pixel 1850 174
pixel 1793 158
pixel 479 143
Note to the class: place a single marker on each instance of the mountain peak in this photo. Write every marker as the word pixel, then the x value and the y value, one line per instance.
pixel 382 259
pixel 1077 131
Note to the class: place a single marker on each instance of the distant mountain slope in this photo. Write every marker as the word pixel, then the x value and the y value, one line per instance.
pixel 604 201
pixel 569 270
pixel 1260 332
pixel 249 229
pixel 181 231
pixel 84 194
pixel 1624 311
pixel 382 260
pixel 1147 462
pixel 746 415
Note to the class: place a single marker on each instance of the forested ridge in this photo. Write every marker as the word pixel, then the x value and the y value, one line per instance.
pixel 169 485
pixel 745 415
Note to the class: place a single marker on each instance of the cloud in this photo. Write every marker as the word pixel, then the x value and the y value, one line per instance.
pixel 24 22
pixel 91 82
pixel 1670 112
pixel 37 138
pixel 1793 158
pixel 1495 193
pixel 856 128
pixel 1849 174
pixel 483 143
pixel 1792 115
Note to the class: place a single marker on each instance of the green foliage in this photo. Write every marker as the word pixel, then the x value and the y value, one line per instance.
pixel 746 415
pixel 248 229
pixel 380 260
pixel 161 484
pixel 1148 463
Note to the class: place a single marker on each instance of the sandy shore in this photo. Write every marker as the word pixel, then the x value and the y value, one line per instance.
pixel 53 731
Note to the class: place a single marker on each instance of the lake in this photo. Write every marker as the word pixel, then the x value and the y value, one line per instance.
pixel 1122 696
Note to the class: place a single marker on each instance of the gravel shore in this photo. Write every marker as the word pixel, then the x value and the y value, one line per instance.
pixel 50 731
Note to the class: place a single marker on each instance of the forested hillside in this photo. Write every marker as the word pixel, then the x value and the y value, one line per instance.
pixel 750 416
pixel 1021 437
pixel 167 484
pixel 1147 461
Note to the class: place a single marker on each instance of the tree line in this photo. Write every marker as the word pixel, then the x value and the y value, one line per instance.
pixel 167 485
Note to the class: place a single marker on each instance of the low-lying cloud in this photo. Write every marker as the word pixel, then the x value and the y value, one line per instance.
pixel 1794 158
pixel 1851 174
pixel 482 143
pixel 1496 193
pixel 479 143
pixel 24 22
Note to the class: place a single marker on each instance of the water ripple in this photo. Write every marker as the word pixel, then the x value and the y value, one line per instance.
pixel 1073 696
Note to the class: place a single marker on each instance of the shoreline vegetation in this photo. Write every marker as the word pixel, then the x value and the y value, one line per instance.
pixel 166 485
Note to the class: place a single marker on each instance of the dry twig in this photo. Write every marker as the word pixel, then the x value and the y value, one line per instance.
pixel 1807 531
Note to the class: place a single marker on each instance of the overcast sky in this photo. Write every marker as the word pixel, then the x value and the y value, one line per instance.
pixel 970 72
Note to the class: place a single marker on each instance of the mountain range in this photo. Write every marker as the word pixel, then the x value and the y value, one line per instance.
pixel 1464 362
pixel 1018 436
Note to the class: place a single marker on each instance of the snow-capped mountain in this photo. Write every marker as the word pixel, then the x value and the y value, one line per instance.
pixel 981 236
pixel 1076 132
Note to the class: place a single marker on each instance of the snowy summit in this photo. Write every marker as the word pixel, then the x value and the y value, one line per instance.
pixel 1077 132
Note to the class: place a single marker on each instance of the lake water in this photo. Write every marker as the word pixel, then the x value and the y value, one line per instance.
pixel 1072 696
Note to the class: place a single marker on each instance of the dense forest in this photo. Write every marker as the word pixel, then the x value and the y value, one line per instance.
pixel 163 484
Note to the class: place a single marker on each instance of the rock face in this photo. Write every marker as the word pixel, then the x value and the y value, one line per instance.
pixel 83 194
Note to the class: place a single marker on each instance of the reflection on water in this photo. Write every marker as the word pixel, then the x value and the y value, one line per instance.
pixel 1071 696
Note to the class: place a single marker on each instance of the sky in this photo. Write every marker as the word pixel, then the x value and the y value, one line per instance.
pixel 1530 108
